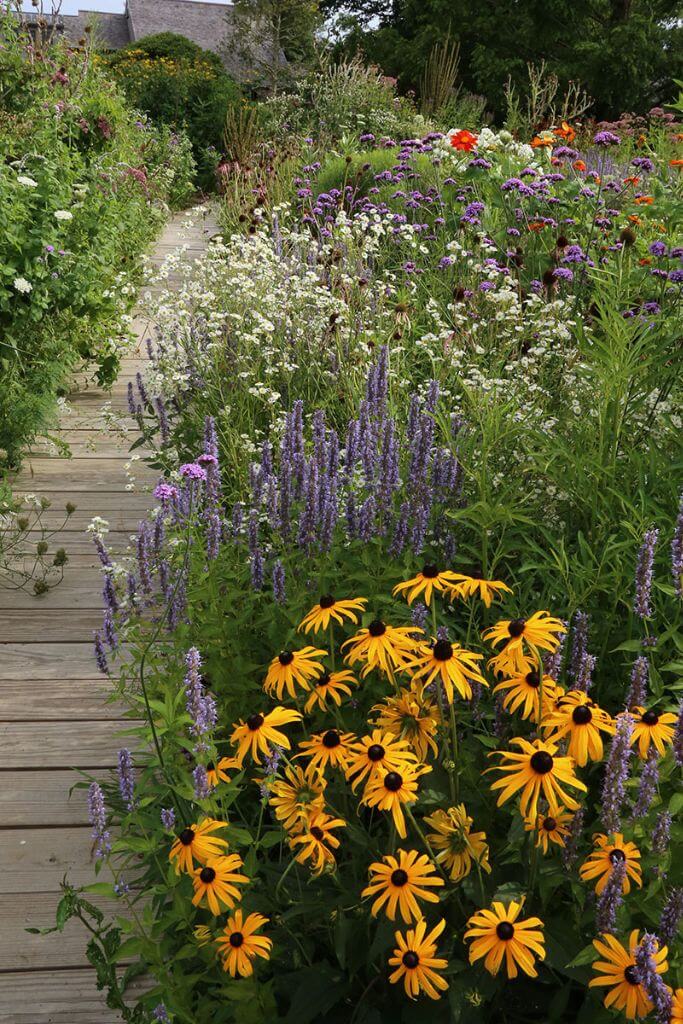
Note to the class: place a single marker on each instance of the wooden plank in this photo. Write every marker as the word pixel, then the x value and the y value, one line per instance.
pixel 57 700
pixel 123 520
pixel 81 588
pixel 37 859
pixel 20 951
pixel 84 744
pixel 78 543
pixel 24 625
pixel 94 502
pixel 90 474
pixel 60 997
pixel 46 661
pixel 43 798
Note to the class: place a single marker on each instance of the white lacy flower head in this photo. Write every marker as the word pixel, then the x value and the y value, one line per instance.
pixel 23 179
pixel 22 285
pixel 63 215
pixel 98 526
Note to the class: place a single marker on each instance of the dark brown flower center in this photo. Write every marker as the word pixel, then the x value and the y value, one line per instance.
pixel 323 680
pixel 505 931
pixel 376 752
pixel 255 722
pixel 186 836
pixel 549 824
pixel 410 960
pixel 211 767
pixel 377 628
pixel 236 940
pixel 533 680
pixel 631 975
pixel 541 762
pixel 326 601
pixel 650 718
pixel 617 856
pixel 430 571
pixel 317 833
pixel 207 875
pixel 331 739
pixel 285 657
pixel 582 715
pixel 516 627
pixel 443 650
pixel 393 782
pixel 399 877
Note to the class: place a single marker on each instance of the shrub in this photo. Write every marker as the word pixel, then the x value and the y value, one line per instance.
pixel 178 84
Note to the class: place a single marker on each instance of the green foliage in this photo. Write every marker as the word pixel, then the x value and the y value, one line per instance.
pixel 83 187
pixel 273 40
pixel 180 85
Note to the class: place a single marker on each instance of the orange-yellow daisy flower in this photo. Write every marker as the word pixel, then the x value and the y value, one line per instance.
pixel 519 637
pixel 617 970
pixel 239 945
pixel 330 609
pixel 652 727
pixel 429 581
pixel 600 862
pixel 451 663
pixel 389 792
pixel 415 961
pixel 196 842
pixel 259 731
pixel 381 646
pixel 579 719
pixel 537 771
pixel 400 882
pixel 290 669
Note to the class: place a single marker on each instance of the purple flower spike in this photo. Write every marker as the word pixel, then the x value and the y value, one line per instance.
pixel 678 738
pixel 661 833
pixel 643 580
pixel 640 676
pixel 202 789
pixel 648 785
pixel 672 913
pixel 677 551
pixel 168 818
pixel 571 844
pixel 610 900
pixel 653 983
pixel 279 583
pixel 200 705
pixel 616 774
pixel 126 778
pixel 98 819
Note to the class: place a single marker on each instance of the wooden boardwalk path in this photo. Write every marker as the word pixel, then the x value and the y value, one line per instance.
pixel 52 712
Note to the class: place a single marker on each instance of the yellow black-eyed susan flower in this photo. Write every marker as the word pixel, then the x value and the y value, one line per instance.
pixel 523 693
pixel 329 609
pixel 429 581
pixel 239 945
pixel 197 843
pixel 617 970
pixel 259 731
pixel 518 637
pixel 314 840
pixel 329 687
pixel 677 1007
pixel 457 847
pixel 450 663
pixel 218 771
pixel 415 961
pixel 299 793
pixel 485 590
pixel 652 728
pixel 328 748
pixel 498 934
pixel 580 720
pixel 549 828
pixel 537 771
pixel 390 791
pixel 290 669
pixel 381 646
pixel 411 717
pixel 607 852
pixel 401 882
pixel 215 884
pixel 377 754
pixel 202 935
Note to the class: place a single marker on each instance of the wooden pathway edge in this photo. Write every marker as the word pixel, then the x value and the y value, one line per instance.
pixel 54 717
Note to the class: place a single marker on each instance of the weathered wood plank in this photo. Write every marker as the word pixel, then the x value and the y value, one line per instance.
pixel 84 744
pixel 25 624
pixel 90 474
pixel 19 950
pixel 37 859
pixel 130 502
pixel 46 661
pixel 80 589
pixel 79 544
pixel 35 799
pixel 57 700
pixel 59 997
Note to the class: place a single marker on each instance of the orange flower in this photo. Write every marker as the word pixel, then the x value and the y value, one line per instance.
pixel 579 165
pixel 537 225
pixel 644 200
pixel 566 132
pixel 545 141
pixel 463 140
pixel 631 181
pixel 675 163
pixel 635 219
pixel 645 262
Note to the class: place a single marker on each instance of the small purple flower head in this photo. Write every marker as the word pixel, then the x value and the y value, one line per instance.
pixel 643 577
pixel 126 778
pixel 657 249
pixel 100 653
pixel 672 912
pixel 160 1014
pixel 98 819
pixel 605 138
pixel 616 774
pixel 610 900
pixel 202 789
pixel 648 785
pixel 200 705
pixel 167 494
pixel 661 833
pixel 640 676
pixel 657 990
pixel 168 818
pixel 279 583
pixel 192 471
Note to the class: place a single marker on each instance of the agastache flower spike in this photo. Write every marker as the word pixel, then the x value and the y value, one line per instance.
pixel 279 584
pixel 648 785
pixel 661 833
pixel 655 986
pixel 610 900
pixel 640 676
pixel 126 778
pixel 98 819
pixel 643 576
pixel 678 738
pixel 677 551
pixel 671 915
pixel 100 653
pixel 616 774
pixel 202 788
pixel 571 843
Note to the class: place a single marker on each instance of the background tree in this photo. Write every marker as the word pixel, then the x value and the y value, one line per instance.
pixel 273 39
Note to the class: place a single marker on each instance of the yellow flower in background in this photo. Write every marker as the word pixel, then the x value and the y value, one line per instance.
pixel 537 771
pixel 381 646
pixel 416 963
pixel 197 842
pixel 290 669
pixel 239 945
pixel 297 795
pixel 331 748
pixel 451 664
pixel 498 934
pixel 259 731
pixel 523 693
pixel 377 754
pixel 218 771
pixel 580 720
pixel 315 840
pixel 617 970
pixel 216 883
pixel 549 828
pixel 677 1005
pixel 391 791
pixel 202 935
pixel 458 848
pixel 412 718
pixel 518 636
pixel 429 581
pixel 400 882
pixel 329 609
pixel 485 590
pixel 600 862
pixel 652 728
pixel 329 687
